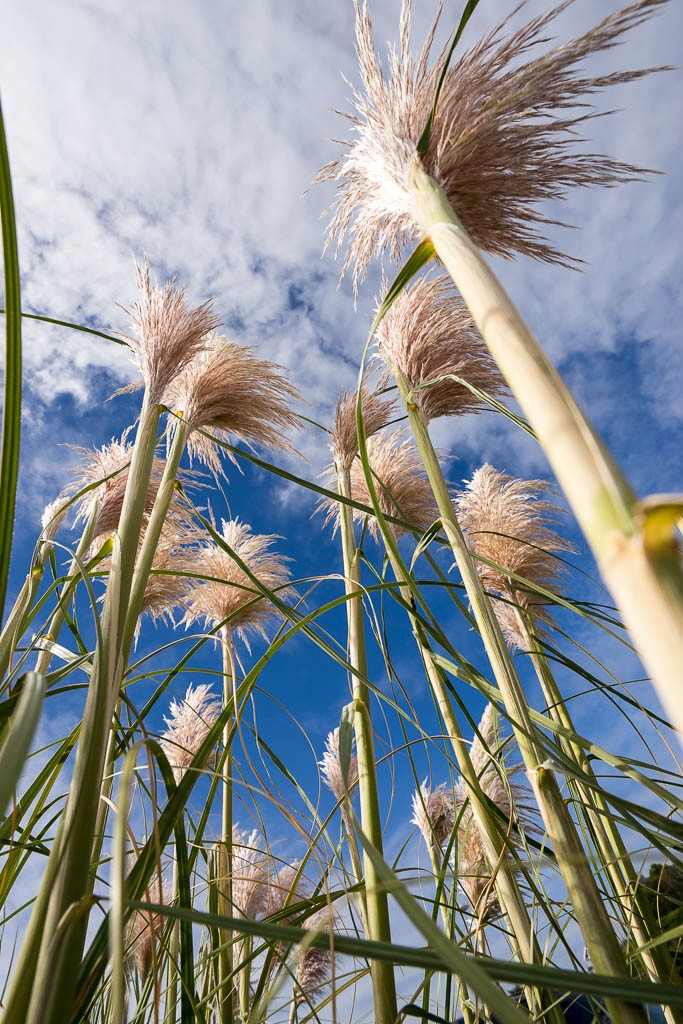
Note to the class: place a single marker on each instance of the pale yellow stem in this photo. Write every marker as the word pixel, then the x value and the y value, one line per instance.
pixel 645 579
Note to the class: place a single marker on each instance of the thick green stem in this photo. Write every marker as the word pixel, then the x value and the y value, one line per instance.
pixel 376 904
pixel 645 579
pixel 157 518
pixel 601 940
pixel 52 988
pixel 494 843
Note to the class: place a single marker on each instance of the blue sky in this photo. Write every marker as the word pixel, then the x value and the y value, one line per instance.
pixel 191 132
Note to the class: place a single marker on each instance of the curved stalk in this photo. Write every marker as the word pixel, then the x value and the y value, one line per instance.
pixel 72 578
pixel 496 848
pixel 44 994
pixel 643 574
pixel 377 908
pixel 610 845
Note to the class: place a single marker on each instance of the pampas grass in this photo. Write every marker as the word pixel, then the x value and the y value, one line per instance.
pixel 292 856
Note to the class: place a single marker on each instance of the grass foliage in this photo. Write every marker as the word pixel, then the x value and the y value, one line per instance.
pixel 182 862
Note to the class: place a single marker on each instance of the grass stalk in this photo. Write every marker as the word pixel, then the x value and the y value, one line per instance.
pixel 496 847
pixel 145 557
pixel 599 935
pixel 52 989
pixel 611 848
pixel 171 1008
pixel 639 564
pixel 226 966
pixel 11 411
pixel 376 921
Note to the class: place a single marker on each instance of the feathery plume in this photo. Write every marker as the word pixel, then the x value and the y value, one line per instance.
pixel 506 523
pixel 474 871
pixel 105 472
pixel 503 140
pixel 231 394
pixel 285 887
pixel 376 412
pixel 167 584
pixel 330 766
pixel 315 965
pixel 249 875
pixel 230 594
pixel 428 334
pixel 167 334
pixel 433 813
pixel 53 516
pixel 144 931
pixel 402 488
pixel 187 726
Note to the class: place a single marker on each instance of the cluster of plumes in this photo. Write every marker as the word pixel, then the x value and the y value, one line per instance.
pixel 438 811
pixel 167 333
pixel 101 478
pixel 214 384
pixel 144 932
pixel 503 140
pixel 506 522
pixel 228 392
pixel 474 872
pixel 229 593
pixel 376 410
pixel 258 892
pixel 428 337
pixel 104 472
pixel 188 724
pixel 331 769
pixel 103 475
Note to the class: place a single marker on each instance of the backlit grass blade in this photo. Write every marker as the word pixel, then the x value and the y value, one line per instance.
pixel 11 415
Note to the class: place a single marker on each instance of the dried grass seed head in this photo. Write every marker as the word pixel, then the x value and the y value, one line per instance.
pixel 433 813
pixel 53 516
pixel 230 593
pixel 143 931
pixel 330 766
pixel 376 410
pixel 315 965
pixel 286 887
pixel 402 488
pixel 510 523
pixel 496 778
pixel 249 875
pixel 167 333
pixel 428 334
pixel 168 584
pixel 188 724
pixel 231 394
pixel 504 137
pixel 105 471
